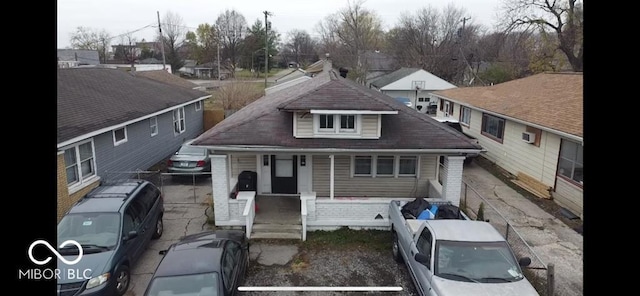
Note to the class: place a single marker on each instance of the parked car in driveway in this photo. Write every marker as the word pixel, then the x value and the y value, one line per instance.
pixel 113 225
pixel 208 263
pixel 189 160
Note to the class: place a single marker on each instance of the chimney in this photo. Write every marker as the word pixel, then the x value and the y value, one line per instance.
pixel 326 67
pixel 343 72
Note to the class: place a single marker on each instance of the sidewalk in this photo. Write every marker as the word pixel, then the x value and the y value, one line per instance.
pixel 550 238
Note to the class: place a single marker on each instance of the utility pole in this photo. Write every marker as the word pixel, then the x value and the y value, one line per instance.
pixel 164 66
pixel 218 42
pixel 266 47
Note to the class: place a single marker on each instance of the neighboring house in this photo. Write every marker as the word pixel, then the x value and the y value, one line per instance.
pixel 344 150
pixel 377 64
pixel 136 67
pixel 188 69
pixel 532 127
pixel 112 123
pixel 413 83
pixel 69 58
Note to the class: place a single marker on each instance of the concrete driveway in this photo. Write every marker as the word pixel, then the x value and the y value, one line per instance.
pixel 186 208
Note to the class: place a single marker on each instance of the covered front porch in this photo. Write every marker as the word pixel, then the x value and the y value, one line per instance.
pixel 328 193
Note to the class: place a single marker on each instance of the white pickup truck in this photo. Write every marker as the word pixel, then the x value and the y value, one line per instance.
pixel 452 257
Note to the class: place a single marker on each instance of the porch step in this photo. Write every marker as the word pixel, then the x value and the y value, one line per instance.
pixel 276 231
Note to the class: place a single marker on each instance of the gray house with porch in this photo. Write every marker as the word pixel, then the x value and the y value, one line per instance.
pixel 339 150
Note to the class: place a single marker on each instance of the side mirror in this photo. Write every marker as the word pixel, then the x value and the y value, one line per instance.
pixel 423 259
pixel 524 261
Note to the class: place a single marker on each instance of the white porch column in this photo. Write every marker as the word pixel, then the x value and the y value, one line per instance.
pixel 220 186
pixel 331 176
pixel 452 173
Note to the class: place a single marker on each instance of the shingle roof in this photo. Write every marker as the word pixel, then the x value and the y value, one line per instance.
pixel 90 99
pixel 553 100
pixel 393 76
pixel 166 77
pixel 261 123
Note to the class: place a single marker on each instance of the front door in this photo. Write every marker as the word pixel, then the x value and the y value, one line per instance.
pixel 284 177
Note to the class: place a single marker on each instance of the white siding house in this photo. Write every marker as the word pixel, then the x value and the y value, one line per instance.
pixel 531 127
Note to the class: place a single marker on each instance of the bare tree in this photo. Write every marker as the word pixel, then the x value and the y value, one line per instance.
pixel 563 18
pixel 300 48
pixel 441 42
pixel 231 26
pixel 173 36
pixel 354 29
pixel 91 39
pixel 127 50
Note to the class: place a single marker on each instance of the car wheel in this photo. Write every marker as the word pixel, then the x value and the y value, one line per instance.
pixel 396 248
pixel 157 233
pixel 122 280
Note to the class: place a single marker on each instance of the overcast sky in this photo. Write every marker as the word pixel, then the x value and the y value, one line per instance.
pixel 122 16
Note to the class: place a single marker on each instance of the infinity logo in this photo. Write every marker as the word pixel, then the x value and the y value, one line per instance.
pixel 65 243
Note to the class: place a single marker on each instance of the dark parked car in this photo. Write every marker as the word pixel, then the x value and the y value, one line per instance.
pixel 208 263
pixel 189 160
pixel 113 224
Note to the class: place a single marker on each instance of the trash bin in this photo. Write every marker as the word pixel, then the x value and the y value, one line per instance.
pixel 247 181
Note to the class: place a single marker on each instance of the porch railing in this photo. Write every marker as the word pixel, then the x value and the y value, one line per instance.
pixel 249 212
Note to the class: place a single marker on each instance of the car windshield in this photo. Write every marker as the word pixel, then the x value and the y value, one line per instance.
pixel 189 150
pixel 487 262
pixel 203 284
pixel 98 230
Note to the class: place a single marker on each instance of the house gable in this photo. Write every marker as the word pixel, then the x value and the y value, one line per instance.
pixel 422 78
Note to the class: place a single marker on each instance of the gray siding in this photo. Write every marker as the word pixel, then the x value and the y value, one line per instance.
pixel 142 151
pixel 388 187
pixel 304 125
pixel 242 162
pixel 370 125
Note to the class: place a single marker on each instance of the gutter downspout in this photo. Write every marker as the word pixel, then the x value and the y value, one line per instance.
pixel 331 177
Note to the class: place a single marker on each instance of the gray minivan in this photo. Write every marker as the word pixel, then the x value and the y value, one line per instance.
pixel 112 225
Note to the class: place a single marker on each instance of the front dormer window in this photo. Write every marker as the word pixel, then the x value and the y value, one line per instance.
pixel 337 124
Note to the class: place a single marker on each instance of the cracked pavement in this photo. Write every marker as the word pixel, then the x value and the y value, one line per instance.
pixel 186 211
pixel 551 240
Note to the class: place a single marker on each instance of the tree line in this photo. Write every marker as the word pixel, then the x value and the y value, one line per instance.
pixel 532 36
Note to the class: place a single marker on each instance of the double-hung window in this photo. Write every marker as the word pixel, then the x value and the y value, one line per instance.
pixel 79 163
pixel 493 127
pixel 336 124
pixel 178 121
pixel 465 115
pixel 153 125
pixel 570 163
pixel 385 166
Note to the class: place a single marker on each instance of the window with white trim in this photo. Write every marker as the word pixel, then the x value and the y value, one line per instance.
pixel 153 125
pixel 570 163
pixel 465 115
pixel 384 166
pixel 178 121
pixel 408 166
pixel 326 123
pixel 198 105
pixel 79 163
pixel 337 124
pixel 363 166
pixel 119 136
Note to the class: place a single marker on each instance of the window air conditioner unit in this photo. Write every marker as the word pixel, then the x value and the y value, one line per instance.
pixel 528 137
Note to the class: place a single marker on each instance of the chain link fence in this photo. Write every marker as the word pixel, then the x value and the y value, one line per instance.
pixel 161 179
pixel 540 275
